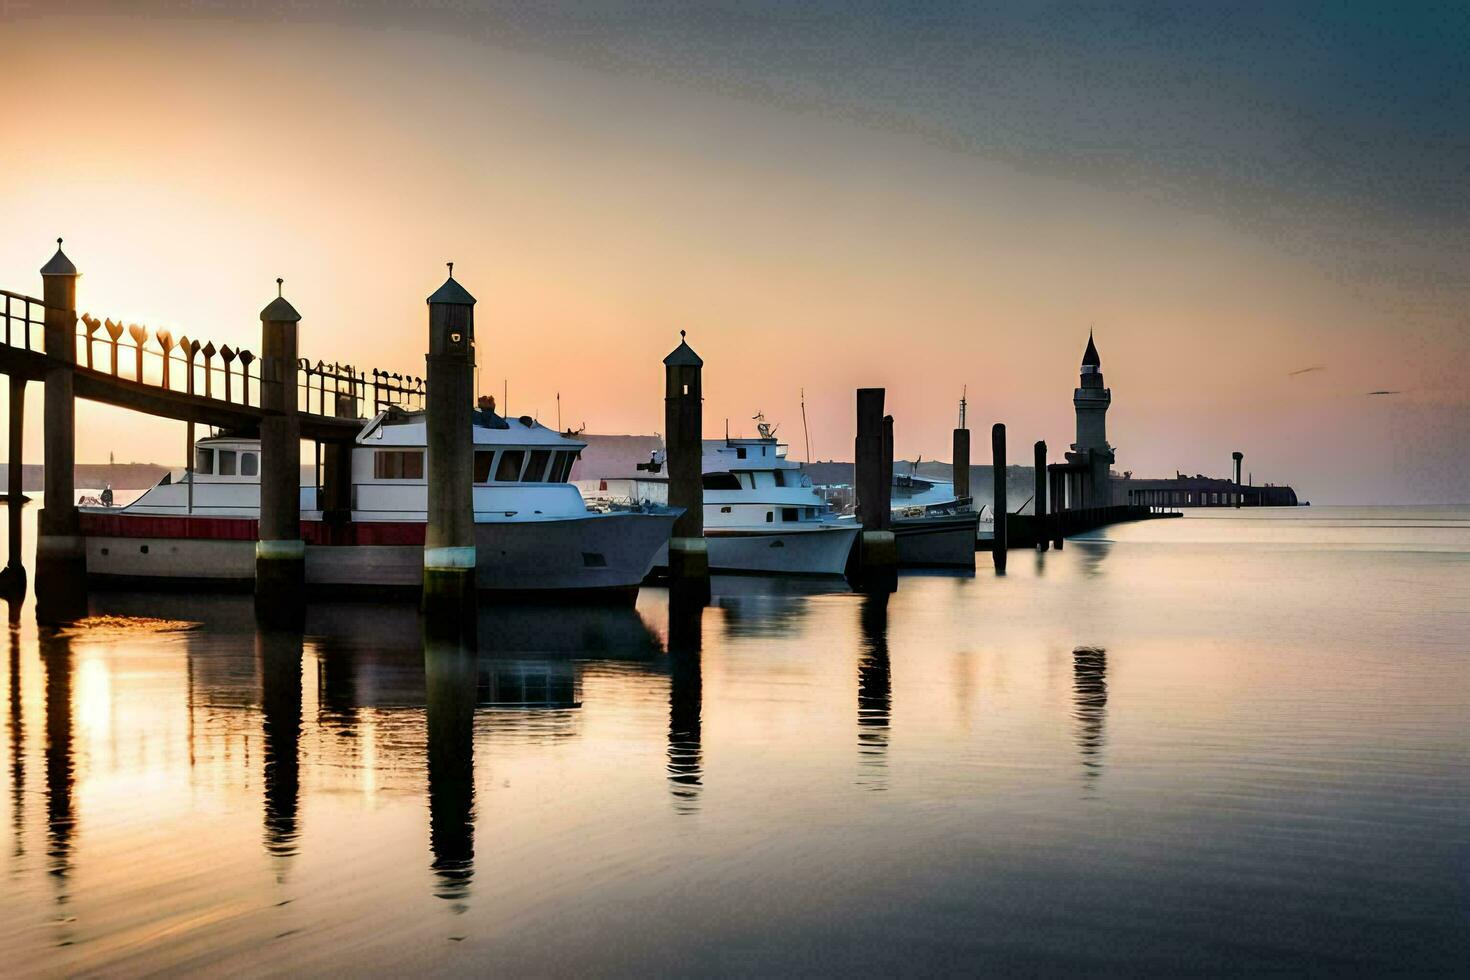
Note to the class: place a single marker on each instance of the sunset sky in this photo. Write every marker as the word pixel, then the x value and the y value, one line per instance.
pixel 921 196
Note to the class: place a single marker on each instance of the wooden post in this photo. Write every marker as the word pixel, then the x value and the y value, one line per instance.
pixel 960 474
pixel 1040 501
pixel 1235 493
pixel 280 554
pixel 684 457
pixel 336 502
pixel 13 579
pixel 998 472
pixel 873 485
pixel 449 540
pixel 1058 505
pixel 61 557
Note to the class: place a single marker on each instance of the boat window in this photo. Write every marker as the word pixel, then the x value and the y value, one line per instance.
pixel 249 464
pixel 397 464
pixel 724 510
pixel 226 462
pixel 770 517
pixel 536 468
pixel 790 513
pixel 509 469
pixel 721 481
pixel 563 467
pixel 740 454
pixel 203 460
pixel 483 459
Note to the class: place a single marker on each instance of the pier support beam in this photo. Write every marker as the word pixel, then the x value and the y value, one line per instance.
pixel 998 505
pixel 61 555
pixel 873 483
pixel 1058 504
pixel 449 540
pixel 1039 503
pixel 280 554
pixel 684 456
pixel 336 502
pixel 1235 492
pixel 961 468
pixel 13 578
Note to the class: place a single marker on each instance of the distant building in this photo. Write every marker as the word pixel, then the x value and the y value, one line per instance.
pixel 1086 473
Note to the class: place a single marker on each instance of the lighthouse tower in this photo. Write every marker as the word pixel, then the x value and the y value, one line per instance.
pixel 1091 452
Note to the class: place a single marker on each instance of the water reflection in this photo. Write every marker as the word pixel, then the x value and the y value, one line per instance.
pixel 760 606
pixel 1090 702
pixel 1093 552
pixel 278 661
pixel 686 704
pixel 56 666
pixel 450 685
pixel 874 692
pixel 17 729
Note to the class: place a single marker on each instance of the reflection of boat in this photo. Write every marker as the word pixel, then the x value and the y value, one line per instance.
pixel 533 533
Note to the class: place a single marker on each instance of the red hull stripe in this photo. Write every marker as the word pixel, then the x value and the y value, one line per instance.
pixel 245 529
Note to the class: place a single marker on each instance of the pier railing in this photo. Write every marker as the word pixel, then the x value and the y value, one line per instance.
pixel 25 321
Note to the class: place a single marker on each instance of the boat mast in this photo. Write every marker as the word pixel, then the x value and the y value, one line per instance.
pixel 805 434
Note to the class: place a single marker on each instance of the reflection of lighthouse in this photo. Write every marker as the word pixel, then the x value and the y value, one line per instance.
pixel 450 685
pixel 875 689
pixel 1090 703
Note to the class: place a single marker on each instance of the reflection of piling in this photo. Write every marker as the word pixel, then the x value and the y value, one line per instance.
pixel 1090 701
pixel 450 682
pixel 873 484
pixel 1039 466
pixel 278 658
pixel 684 456
pixel 874 687
pixel 56 663
pixel 280 554
pixel 17 728
pixel 998 507
pixel 686 703
pixel 961 467
pixel 61 557
pixel 449 539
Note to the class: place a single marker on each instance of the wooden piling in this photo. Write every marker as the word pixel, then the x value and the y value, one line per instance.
pixel 280 554
pixel 336 502
pixel 998 472
pixel 873 484
pixel 13 579
pixel 61 556
pixel 960 474
pixel 1039 503
pixel 449 540
pixel 684 457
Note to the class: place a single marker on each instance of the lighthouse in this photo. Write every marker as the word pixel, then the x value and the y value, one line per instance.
pixel 1091 453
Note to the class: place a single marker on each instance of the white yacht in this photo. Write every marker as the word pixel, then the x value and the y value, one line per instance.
pixel 761 514
pixel 931 526
pixel 533 532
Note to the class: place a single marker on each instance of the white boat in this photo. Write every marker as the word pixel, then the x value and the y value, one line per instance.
pixel 932 528
pixel 534 535
pixel 762 516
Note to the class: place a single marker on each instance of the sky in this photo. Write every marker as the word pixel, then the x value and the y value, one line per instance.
pixel 922 196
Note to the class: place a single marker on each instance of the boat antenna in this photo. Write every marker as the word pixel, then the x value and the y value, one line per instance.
pixel 558 411
pixel 727 428
pixel 805 433
pixel 963 392
pixel 505 398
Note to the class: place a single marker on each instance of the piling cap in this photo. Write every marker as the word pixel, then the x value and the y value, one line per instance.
pixel 280 311
pixel 1090 358
pixel 59 265
pixel 683 355
pixel 451 293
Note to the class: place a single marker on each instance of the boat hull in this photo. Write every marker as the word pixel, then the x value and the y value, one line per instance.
pixel 599 556
pixel 820 551
pixel 946 541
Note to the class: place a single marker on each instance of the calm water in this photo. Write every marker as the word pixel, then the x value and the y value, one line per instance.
pixel 1227 742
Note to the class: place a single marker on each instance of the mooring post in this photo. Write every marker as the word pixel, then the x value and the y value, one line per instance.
pixel 61 556
pixel 280 554
pixel 449 540
pixel 998 505
pixel 684 457
pixel 336 489
pixel 872 481
pixel 1040 503
pixel 13 578
pixel 1237 456
pixel 1058 504
pixel 960 475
